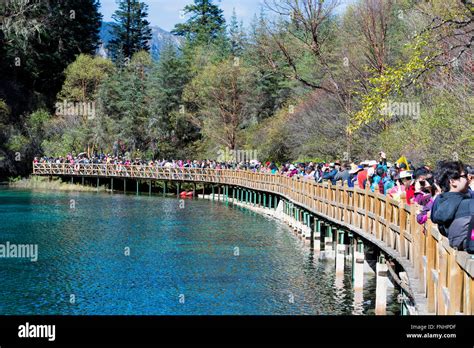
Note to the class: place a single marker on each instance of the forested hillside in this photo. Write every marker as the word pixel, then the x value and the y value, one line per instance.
pixel 303 81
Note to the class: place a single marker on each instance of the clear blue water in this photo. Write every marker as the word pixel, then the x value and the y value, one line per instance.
pixel 182 261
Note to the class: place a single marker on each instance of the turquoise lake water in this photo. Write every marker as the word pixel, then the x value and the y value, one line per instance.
pixel 105 254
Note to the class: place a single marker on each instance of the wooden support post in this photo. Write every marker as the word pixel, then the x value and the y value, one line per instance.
pixel 212 192
pixel 292 212
pixel 317 235
pixel 98 183
pixel 72 180
pixel 194 190
pixel 455 280
pixel 178 186
pixel 165 187
pixel 124 185
pixel 358 259
pixel 300 224
pixel 350 247
pixel 149 188
pixel 340 250
pixel 270 201
pixel 83 181
pixel 308 231
pixel 431 274
pixel 137 186
pixel 328 239
pixel 112 185
pixel 218 192
pixel 381 287
pixel 303 226
pixel 264 200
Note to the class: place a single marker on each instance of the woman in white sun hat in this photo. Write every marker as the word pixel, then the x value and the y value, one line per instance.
pixel 404 187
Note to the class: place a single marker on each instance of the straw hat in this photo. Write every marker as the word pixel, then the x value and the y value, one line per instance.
pixel 354 169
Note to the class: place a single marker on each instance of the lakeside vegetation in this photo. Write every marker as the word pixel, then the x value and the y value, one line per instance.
pixel 55 184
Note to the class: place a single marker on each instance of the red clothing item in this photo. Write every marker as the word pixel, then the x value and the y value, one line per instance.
pixel 410 194
pixel 362 178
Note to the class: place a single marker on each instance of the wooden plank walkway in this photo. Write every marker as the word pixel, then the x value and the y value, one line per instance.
pixel 444 275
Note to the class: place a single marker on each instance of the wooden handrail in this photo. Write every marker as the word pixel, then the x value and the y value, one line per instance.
pixel 445 275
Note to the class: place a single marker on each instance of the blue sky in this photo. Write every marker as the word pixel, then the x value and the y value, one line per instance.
pixel 166 13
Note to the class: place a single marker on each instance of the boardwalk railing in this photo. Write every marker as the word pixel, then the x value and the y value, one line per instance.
pixel 445 275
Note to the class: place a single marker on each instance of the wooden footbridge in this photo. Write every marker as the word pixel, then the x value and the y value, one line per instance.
pixel 433 277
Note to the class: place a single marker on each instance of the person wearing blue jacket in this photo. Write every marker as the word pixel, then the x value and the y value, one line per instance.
pixel 331 174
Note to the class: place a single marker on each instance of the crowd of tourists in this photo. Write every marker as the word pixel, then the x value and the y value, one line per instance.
pixel 445 193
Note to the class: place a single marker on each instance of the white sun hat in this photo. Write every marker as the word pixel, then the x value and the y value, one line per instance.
pixel 405 174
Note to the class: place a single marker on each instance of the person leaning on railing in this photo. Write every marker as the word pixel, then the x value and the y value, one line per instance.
pixel 453 210
pixel 426 190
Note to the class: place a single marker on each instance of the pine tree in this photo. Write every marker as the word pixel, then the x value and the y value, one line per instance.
pixel 131 30
pixel 206 24
pixel 170 129
pixel 74 29
pixel 38 40
pixel 125 97
pixel 272 85
pixel 45 41
pixel 237 36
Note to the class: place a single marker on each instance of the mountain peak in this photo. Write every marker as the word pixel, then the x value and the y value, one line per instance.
pixel 158 40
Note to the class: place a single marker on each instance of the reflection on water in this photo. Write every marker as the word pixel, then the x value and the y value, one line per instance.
pixel 358 307
pixel 120 254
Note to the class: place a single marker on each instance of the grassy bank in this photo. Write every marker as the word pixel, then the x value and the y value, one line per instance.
pixel 43 183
